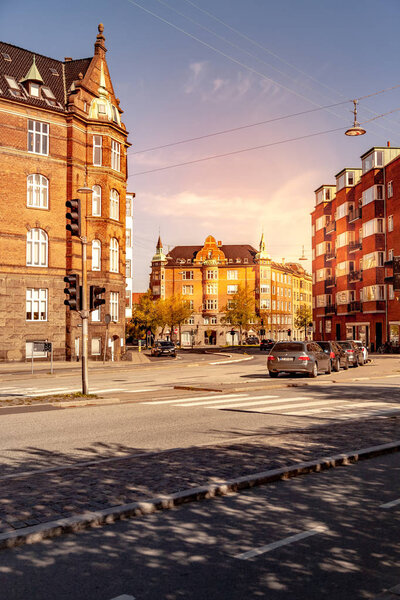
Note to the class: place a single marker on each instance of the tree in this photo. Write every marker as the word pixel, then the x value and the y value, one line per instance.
pixel 241 310
pixel 177 310
pixel 303 318
pixel 146 315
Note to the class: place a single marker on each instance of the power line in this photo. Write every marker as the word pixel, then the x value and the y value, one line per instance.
pixel 190 162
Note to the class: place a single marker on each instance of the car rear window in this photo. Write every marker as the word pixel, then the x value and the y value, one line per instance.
pixel 289 347
pixel 345 344
pixel 165 343
pixel 324 345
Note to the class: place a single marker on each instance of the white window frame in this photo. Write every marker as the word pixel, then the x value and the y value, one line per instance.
pixel 232 289
pixel 390 223
pixel 114 205
pixel 114 255
pixel 37 193
pixel 96 201
pixel 115 155
pixel 95 347
pixel 211 304
pixel 187 275
pixel 114 306
pixel 97 150
pixel 187 290
pixel 96 255
pixel 212 288
pixel 37 248
pixel 232 275
pixel 95 315
pixel 38 137
pixel 390 189
pixel 36 302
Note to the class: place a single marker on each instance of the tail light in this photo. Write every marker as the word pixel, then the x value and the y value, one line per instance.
pixel 304 358
pixel 350 351
pixel 332 355
pixel 270 357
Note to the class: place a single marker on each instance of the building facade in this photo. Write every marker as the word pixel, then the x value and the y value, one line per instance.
pixel 60 130
pixel 355 229
pixel 209 276
pixel 129 254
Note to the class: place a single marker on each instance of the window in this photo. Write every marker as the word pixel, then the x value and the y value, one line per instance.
pixel 115 155
pixel 95 315
pixel 342 210
pixel 96 346
pixel 187 290
pixel 232 289
pixel 206 321
pixel 232 275
pixel 264 289
pixel 38 191
pixel 212 274
pixel 14 87
pixel 265 303
pixel 191 304
pixel 114 205
pixel 128 238
pixel 211 304
pixel 48 94
pixel 187 274
pixel 34 90
pixel 373 160
pixel 114 302
pixel 374 192
pixel 371 227
pixel 390 223
pixel 390 189
pixel 38 137
pixel 96 255
pixel 212 288
pixel 390 254
pixel 230 304
pixel 128 206
pixel 36 248
pixel 97 150
pixel 96 201
pixel 36 304
pixel 373 293
pixel 114 255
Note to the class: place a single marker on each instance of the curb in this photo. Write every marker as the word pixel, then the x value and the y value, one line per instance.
pixel 36 533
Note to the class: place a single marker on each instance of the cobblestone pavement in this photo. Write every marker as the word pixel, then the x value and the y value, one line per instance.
pixel 59 492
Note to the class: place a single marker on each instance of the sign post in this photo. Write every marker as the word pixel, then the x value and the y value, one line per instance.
pixel 107 320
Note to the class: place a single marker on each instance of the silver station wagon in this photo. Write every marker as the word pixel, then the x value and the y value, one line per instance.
pixel 298 357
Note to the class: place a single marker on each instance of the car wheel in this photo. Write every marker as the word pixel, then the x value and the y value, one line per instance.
pixel 314 371
pixel 346 365
pixel 355 364
pixel 329 369
pixel 273 374
pixel 362 362
pixel 336 366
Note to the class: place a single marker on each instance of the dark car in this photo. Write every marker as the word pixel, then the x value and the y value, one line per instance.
pixel 163 348
pixel 353 351
pixel 252 340
pixel 298 357
pixel 266 345
pixel 338 355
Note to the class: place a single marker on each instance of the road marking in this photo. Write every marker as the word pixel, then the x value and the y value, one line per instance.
pixel 227 362
pixel 216 395
pixel 208 402
pixel 281 401
pixel 289 540
pixel 139 391
pixel 390 504
pixel 124 597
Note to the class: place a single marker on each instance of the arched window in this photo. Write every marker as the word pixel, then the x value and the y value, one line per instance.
pixel 96 201
pixel 96 255
pixel 114 205
pixel 36 248
pixel 37 191
pixel 114 255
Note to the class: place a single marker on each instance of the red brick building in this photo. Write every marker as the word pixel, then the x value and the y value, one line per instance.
pixel 60 129
pixel 355 229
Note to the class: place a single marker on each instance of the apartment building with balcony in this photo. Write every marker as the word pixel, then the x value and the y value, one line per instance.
pixel 210 275
pixel 355 229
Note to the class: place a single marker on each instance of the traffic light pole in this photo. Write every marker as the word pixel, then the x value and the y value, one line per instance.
pixel 85 319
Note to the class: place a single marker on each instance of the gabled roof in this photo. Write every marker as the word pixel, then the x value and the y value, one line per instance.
pixel 233 252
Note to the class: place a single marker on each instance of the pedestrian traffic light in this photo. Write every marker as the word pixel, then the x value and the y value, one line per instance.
pixel 74 216
pixel 73 291
pixel 289 332
pixel 95 293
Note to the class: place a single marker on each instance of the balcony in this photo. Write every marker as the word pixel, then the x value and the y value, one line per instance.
pixel 330 309
pixel 355 306
pixel 330 283
pixel 353 246
pixel 355 214
pixel 355 276
pixel 330 255
pixel 330 227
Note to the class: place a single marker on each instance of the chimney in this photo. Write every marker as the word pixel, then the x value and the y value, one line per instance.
pixel 219 244
pixel 388 144
pixel 67 59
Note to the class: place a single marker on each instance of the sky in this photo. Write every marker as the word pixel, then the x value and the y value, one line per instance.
pixel 186 69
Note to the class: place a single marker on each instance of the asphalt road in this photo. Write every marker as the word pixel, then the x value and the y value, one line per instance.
pixel 328 535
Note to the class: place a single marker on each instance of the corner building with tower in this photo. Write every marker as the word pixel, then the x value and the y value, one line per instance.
pixel 355 231
pixel 60 131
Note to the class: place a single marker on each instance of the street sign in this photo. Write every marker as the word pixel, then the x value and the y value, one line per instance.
pixel 42 346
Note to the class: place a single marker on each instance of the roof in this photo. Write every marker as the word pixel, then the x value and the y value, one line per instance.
pixel 56 75
pixel 234 252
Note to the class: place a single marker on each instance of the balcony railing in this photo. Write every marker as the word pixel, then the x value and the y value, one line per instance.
pixel 331 282
pixel 355 276
pixel 330 227
pixel 330 255
pixel 355 306
pixel 330 309
pixel 355 214
pixel 353 246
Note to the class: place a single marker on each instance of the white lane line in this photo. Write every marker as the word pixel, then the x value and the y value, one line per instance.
pixel 227 362
pixel 282 402
pixel 390 504
pixel 123 597
pixel 207 403
pixel 139 391
pixel 289 540
pixel 226 396
pixel 351 405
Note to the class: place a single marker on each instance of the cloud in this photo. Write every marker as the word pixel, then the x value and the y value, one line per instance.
pixel 196 73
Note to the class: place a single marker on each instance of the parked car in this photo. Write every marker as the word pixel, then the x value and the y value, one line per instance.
pixel 354 352
pixel 338 355
pixel 298 357
pixel 363 347
pixel 267 345
pixel 163 348
pixel 252 340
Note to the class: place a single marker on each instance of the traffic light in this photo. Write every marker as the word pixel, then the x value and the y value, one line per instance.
pixel 73 291
pixel 74 216
pixel 289 332
pixel 95 293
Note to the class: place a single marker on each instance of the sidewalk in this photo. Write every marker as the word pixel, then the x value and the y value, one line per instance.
pixel 66 498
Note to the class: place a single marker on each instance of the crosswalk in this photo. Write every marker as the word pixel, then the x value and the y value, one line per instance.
pixel 284 405
pixel 27 392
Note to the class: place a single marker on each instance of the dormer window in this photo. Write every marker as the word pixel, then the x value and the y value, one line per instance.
pixel 101 108
pixel 54 72
pixel 34 90
pixel 6 56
